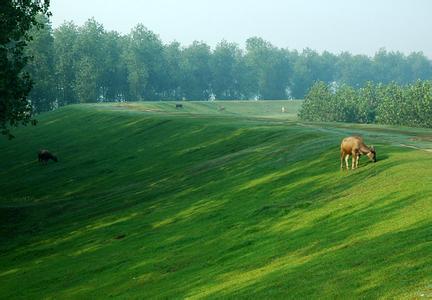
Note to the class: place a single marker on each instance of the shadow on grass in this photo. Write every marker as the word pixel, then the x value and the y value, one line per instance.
pixel 224 198
pixel 336 256
pixel 368 268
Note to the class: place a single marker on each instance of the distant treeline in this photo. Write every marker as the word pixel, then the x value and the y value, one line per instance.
pixel 393 104
pixel 73 64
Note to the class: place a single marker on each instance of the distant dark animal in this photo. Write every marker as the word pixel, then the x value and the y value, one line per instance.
pixel 355 147
pixel 179 106
pixel 221 108
pixel 44 156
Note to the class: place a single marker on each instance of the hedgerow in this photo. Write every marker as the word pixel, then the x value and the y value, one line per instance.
pixel 408 105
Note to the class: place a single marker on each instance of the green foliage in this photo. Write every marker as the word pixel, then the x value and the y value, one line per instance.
pixel 226 75
pixel 144 57
pixel 196 73
pixel 410 105
pixel 114 72
pixel 16 19
pixel 367 103
pixel 344 108
pixel 325 105
pixel 354 70
pixel 392 104
pixel 65 39
pixel 41 66
pixel 269 69
pixel 173 77
pixel 420 94
pixel 316 104
pixel 91 64
pixel 309 67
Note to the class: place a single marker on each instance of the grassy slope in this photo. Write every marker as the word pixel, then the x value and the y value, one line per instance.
pixel 202 204
pixel 268 109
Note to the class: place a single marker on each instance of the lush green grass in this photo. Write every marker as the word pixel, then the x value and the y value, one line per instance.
pixel 174 204
pixel 269 109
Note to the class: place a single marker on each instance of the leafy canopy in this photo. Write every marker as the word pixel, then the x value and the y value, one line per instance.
pixel 16 19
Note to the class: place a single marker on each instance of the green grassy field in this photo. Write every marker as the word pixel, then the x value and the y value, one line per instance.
pixel 268 109
pixel 148 201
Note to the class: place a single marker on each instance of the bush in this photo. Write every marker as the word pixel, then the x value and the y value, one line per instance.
pixel 317 103
pixel 391 104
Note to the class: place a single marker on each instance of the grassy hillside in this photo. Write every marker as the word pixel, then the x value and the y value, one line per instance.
pixel 270 109
pixel 150 202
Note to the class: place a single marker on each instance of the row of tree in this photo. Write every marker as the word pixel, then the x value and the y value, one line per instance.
pixel 74 64
pixel 409 105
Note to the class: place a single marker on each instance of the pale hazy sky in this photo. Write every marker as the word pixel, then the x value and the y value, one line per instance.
pixel 358 26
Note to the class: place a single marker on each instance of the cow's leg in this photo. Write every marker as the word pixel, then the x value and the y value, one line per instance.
pixel 346 161
pixel 356 157
pixel 353 160
pixel 342 159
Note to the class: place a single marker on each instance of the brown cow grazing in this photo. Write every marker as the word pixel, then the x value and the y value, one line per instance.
pixel 354 146
pixel 44 156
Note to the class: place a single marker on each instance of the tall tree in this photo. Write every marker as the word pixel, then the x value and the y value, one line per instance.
pixel 90 56
pixel 65 37
pixel 144 56
pixel 354 70
pixel 173 75
pixel 196 80
pixel 309 67
pixel 16 19
pixel 271 69
pixel 41 66
pixel 255 59
pixel 420 67
pixel 225 67
pixel 389 66
pixel 114 83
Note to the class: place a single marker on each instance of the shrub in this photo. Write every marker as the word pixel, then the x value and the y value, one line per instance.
pixel 391 104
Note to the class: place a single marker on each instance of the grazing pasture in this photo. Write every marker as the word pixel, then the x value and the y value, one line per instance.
pixel 150 201
pixel 269 109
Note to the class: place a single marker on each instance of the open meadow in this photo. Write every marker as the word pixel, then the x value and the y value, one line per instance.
pixel 150 201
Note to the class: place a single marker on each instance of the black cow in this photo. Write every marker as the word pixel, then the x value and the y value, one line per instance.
pixel 44 156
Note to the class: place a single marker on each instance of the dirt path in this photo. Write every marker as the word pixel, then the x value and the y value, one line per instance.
pixel 417 148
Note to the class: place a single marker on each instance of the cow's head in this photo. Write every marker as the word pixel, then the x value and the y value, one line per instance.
pixel 372 154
